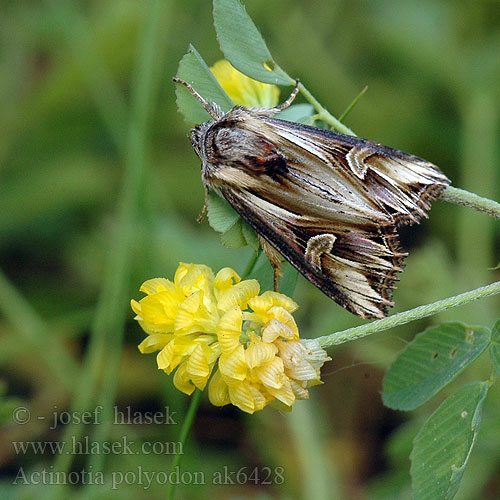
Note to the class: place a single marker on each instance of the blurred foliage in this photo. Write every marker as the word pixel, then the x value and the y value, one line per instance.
pixel 67 72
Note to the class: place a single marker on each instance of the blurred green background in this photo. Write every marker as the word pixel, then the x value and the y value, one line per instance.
pixel 100 190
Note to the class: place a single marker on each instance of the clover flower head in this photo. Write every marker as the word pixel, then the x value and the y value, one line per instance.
pixel 203 323
pixel 244 90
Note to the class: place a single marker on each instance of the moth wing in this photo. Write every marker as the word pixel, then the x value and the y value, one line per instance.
pixel 329 203
pixel 396 183
pixel 353 265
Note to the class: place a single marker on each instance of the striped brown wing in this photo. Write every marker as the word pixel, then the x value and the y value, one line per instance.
pixel 355 265
pixel 329 203
pixel 399 184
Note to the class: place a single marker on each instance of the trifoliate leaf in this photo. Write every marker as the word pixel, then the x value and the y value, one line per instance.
pixel 250 236
pixel 243 45
pixel 233 237
pixel 193 69
pixel 495 346
pixel 221 216
pixel 442 447
pixel 430 361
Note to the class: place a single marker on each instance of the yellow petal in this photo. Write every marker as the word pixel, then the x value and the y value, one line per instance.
pixel 158 312
pixel 192 303
pixel 303 371
pixel 218 393
pixel 136 307
pixel 275 329
pixel 213 352
pixel 259 399
pixel 259 353
pixel 261 304
pixel 165 358
pixel 154 342
pixel 233 365
pixel 315 354
pixel 241 396
pixel 244 90
pixel 193 317
pixel 174 352
pixel 182 381
pixel 198 382
pixel 284 393
pixel 184 345
pixel 225 279
pixel 156 285
pixel 197 364
pixel 271 374
pixel 229 329
pixel 264 302
pixel 239 295
pixel 299 391
pixel 285 317
pixel 188 276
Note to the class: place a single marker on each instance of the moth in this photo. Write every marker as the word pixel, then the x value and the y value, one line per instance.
pixel 329 203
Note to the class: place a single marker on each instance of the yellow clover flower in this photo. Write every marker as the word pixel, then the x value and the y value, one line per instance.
pixel 263 360
pixel 244 90
pixel 201 319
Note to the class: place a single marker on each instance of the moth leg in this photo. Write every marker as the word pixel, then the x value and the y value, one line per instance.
pixel 276 278
pixel 275 259
pixel 289 101
pixel 205 206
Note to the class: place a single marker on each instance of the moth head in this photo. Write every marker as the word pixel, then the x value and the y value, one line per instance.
pixel 197 137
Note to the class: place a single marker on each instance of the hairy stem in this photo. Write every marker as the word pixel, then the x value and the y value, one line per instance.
pixel 471 200
pixel 407 316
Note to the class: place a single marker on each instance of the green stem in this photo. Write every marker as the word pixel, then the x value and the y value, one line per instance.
pixel 324 114
pixel 407 316
pixel 471 200
pixel 186 426
pixel 344 115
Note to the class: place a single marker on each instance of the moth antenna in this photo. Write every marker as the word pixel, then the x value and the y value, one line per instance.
pixel 212 109
pixel 289 101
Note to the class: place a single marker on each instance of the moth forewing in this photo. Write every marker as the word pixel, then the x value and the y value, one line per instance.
pixel 328 202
